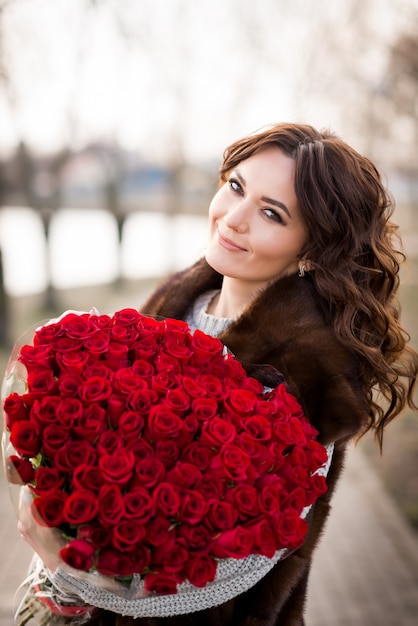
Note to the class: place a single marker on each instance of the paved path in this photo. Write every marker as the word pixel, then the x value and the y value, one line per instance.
pixel 365 571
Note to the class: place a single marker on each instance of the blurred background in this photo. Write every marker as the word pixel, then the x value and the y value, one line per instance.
pixel 113 119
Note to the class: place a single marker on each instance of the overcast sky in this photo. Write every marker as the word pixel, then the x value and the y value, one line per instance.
pixel 164 76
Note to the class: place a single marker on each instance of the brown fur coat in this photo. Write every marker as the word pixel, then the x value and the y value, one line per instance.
pixel 286 326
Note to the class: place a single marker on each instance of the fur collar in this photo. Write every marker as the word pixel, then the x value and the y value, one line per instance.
pixel 285 326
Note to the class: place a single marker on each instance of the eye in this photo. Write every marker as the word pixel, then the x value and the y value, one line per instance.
pixel 235 185
pixel 273 215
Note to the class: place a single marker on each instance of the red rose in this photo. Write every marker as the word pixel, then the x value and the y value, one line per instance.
pixel 54 438
pixel 196 538
pixel 79 554
pixel 75 453
pixel 123 334
pixel 146 349
pixel 50 507
pixel 295 476
pixel 235 543
pixel 34 357
pixel 24 437
pixel 127 317
pixel 269 499
pixel 95 534
pixel 74 362
pixel 289 431
pixel 231 463
pixel 212 385
pixel 77 326
pixel 45 334
pixel 318 486
pixel 159 533
pixel 87 477
pixel 205 347
pixel 193 507
pixel 200 570
pixel 168 452
pixel 149 327
pixel 111 562
pixel 177 331
pixel 233 368
pixel 95 389
pixel 139 504
pixel 296 500
pixel 111 505
pixel 149 471
pixel 217 432
pixel 161 583
pixel 255 450
pixel 263 538
pixel 165 380
pixel 211 488
pixel 222 515
pixel 108 442
pixel 257 426
pixel 19 470
pixel 117 356
pixel 48 480
pixel 131 424
pixel 241 402
pixel 41 382
pixel 44 411
pixel 126 381
pixel 69 410
pixel 167 500
pixel 173 557
pixel 177 400
pixel 244 498
pixel 15 409
pixel 97 368
pixel 167 363
pixel 198 455
pixel 316 455
pixel 68 385
pixel 65 344
pixel 290 529
pixel 117 468
pixel 116 405
pixel 205 408
pixel 191 387
pixel 97 344
pixel 92 423
pixel 127 534
pixel 163 423
pixel 144 369
pixel 180 352
pixel 184 475
pixel 140 558
pixel 142 400
pixel 288 403
pixel 80 507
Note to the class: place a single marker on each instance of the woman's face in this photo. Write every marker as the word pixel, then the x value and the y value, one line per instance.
pixel 256 232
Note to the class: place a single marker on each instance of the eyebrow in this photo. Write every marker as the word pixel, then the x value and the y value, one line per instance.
pixel 277 203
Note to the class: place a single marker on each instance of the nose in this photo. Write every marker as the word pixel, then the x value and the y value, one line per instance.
pixel 237 218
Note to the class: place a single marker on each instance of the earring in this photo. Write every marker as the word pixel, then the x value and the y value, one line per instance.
pixel 302 268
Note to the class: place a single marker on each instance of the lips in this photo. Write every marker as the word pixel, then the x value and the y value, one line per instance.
pixel 228 244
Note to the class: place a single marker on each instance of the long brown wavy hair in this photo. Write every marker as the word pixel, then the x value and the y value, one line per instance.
pixel 355 254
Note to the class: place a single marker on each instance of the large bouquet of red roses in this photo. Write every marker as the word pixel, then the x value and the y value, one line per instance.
pixel 154 452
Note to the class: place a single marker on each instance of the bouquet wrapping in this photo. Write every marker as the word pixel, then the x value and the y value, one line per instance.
pixel 154 453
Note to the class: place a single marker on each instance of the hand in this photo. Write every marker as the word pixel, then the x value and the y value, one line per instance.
pixel 46 542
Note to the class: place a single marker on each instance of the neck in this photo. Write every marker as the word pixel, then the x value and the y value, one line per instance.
pixel 233 298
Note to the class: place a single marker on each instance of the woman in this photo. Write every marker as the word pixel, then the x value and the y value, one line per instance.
pixel 300 272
